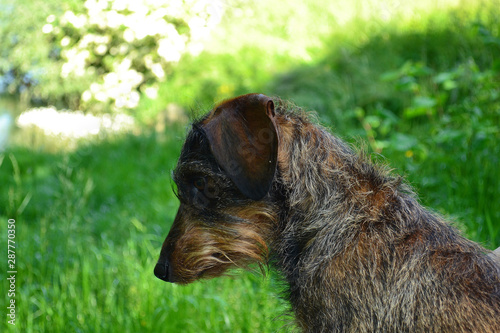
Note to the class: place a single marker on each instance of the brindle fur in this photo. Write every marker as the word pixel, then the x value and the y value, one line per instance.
pixel 357 250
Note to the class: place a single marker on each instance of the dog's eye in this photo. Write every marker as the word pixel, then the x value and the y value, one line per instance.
pixel 199 183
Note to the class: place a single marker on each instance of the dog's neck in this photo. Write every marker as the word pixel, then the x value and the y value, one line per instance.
pixel 316 171
pixel 319 170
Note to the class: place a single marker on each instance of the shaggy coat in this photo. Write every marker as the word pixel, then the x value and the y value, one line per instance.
pixel 259 182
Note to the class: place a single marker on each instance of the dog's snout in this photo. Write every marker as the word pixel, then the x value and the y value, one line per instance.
pixel 161 271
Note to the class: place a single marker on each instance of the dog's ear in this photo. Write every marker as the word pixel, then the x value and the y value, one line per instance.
pixel 244 141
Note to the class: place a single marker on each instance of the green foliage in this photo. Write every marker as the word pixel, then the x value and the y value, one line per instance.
pixel 26 65
pixel 454 113
pixel 198 82
pixel 107 52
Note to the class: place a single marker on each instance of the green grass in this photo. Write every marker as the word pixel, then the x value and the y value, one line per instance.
pixel 90 235
pixel 422 92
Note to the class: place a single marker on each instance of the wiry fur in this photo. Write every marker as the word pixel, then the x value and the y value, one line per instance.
pixel 362 255
pixel 358 251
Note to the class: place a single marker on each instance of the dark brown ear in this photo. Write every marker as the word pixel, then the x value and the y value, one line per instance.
pixel 243 139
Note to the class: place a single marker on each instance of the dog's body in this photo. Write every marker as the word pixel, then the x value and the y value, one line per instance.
pixel 358 251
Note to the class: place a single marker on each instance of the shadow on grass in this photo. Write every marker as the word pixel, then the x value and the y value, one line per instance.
pixel 349 75
pixel 446 144
pixel 90 233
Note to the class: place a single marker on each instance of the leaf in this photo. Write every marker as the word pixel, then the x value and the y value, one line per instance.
pixel 421 105
pixel 449 85
pixel 423 102
pixel 403 142
pixel 390 76
pixel 374 121
pixel 447 135
pixel 447 79
pixel 442 77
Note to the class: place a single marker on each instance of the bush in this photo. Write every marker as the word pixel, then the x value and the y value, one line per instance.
pixel 109 52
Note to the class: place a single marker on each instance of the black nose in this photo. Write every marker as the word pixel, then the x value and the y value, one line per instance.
pixel 161 271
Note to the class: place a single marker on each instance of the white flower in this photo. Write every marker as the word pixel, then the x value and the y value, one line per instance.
pixel 65 70
pixel 47 29
pixel 101 96
pixel 65 41
pixel 151 92
pixel 133 99
pixel 158 71
pixel 78 21
pixel 124 65
pixel 101 49
pixel 111 79
pixel 128 23
pixel 170 48
pixel 95 87
pixel 97 5
pixel 86 96
pixel 87 40
pixel 120 102
pixel 129 35
pixel 113 19
pixel 133 77
pixel 123 48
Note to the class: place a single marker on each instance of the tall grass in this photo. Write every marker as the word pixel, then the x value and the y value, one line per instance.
pixel 90 236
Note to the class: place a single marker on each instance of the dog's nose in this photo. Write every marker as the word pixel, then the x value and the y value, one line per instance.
pixel 161 271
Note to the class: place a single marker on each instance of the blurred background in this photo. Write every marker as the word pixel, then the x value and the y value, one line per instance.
pixel 96 95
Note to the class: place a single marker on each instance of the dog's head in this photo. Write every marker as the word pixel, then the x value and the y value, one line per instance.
pixel 223 177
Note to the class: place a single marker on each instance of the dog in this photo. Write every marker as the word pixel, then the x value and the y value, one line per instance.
pixel 259 182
